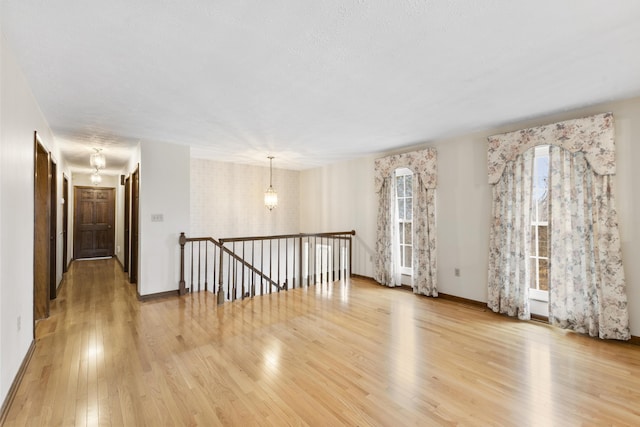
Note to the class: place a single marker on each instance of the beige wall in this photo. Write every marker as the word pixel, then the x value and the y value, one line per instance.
pixel 164 191
pixel 227 200
pixel 463 203
pixel 20 116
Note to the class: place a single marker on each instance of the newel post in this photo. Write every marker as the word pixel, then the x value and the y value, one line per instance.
pixel 182 289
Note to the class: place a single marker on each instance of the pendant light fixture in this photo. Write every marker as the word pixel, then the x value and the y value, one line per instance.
pixel 270 196
pixel 97 160
pixel 96 178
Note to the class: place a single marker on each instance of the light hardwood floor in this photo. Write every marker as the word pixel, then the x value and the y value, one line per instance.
pixel 340 354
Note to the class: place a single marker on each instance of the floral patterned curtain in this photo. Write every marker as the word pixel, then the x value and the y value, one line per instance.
pixel 587 285
pixel 510 239
pixel 386 268
pixel 587 293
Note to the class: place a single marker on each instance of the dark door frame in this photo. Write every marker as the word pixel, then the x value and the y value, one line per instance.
pixel 53 229
pixel 135 213
pixel 110 223
pixel 41 231
pixel 127 221
pixel 65 224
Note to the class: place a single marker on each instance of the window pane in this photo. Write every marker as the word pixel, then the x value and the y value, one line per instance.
pixel 543 240
pixel 407 233
pixel 409 211
pixel 407 256
pixel 401 208
pixel 400 186
pixel 408 185
pixel 543 207
pixel 544 275
pixel 532 280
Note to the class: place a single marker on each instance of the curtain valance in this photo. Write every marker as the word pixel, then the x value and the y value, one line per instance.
pixel 422 163
pixel 592 135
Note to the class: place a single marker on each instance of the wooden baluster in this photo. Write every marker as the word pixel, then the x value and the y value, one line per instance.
pixel 333 259
pixel 206 265
pixel 278 281
pixel 191 285
pixel 229 296
pixel 199 263
pixel 235 272
pixel 221 276
pixel 309 273
pixel 214 268
pixel 322 265
pixel 243 267
pixel 350 257
pixel 270 263
pixel 300 260
pixel 339 259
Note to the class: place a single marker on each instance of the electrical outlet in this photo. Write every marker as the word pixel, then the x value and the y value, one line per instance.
pixel 118 249
pixel 19 322
pixel 456 271
pixel 157 217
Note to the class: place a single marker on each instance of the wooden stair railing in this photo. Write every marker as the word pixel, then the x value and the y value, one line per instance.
pixel 242 267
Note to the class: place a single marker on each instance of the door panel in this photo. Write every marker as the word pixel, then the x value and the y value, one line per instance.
pixel 102 213
pixel 41 232
pixel 86 212
pixel 94 225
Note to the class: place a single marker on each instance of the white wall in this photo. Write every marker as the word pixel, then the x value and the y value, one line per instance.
pixel 108 181
pixel 20 116
pixel 164 190
pixel 227 200
pixel 464 203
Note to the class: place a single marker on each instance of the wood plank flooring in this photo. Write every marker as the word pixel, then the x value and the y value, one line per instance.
pixel 350 353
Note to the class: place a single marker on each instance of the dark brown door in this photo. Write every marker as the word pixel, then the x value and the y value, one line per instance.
pixel 53 231
pixel 135 209
pixel 94 218
pixel 127 219
pixel 41 235
pixel 65 224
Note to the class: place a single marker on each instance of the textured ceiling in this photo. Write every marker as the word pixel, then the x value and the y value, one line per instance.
pixel 312 82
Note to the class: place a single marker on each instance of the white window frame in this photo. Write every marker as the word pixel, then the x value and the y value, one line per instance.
pixel 408 271
pixel 537 293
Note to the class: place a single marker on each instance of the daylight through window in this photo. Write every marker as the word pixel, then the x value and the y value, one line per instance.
pixel 539 287
pixel 404 198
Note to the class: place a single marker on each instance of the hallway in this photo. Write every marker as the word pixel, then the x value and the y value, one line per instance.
pixel 350 353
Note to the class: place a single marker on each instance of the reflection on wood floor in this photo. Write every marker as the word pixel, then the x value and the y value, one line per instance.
pixel 350 353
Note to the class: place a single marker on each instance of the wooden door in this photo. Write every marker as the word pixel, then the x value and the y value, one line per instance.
pixel 135 209
pixel 127 221
pixel 53 230
pixel 94 219
pixel 65 224
pixel 41 234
